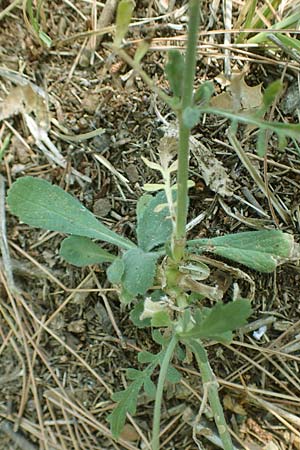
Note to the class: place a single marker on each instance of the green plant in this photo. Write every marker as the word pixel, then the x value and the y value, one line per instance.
pixel 162 256
pixel 250 19
pixel 32 18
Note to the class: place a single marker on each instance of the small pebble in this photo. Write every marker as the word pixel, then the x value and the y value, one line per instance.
pixel 291 100
pixel 102 207
pixel 101 142
pixel 132 173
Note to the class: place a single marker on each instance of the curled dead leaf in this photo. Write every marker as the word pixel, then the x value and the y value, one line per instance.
pixel 25 99
pixel 239 96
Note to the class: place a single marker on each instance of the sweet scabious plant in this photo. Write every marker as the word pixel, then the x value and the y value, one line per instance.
pixel 160 275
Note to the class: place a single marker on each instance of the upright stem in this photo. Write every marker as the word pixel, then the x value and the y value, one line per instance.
pixel 209 380
pixel 159 392
pixel 184 131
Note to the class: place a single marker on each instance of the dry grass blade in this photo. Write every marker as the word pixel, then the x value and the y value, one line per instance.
pixel 113 170
pixel 6 260
pixel 256 177
pixel 9 8
pixel 17 437
pixel 227 12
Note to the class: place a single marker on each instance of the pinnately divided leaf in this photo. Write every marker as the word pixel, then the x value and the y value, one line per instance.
pixel 38 203
pixel 259 250
pixel 82 251
pixel 127 401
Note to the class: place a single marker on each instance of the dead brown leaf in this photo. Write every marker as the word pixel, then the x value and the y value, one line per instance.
pixel 233 405
pixel 25 99
pixel 239 95
pixel 129 433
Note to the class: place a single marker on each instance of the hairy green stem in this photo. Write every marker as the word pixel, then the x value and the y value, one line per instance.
pixel 184 132
pixel 159 392
pixel 210 383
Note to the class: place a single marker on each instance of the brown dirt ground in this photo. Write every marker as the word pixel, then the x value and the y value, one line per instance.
pixel 64 350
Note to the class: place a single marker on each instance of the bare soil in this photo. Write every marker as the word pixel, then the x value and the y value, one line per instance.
pixel 65 340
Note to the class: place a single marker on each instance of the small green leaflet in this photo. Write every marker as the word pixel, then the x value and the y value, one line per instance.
pixel 82 251
pixel 41 204
pixel 271 92
pixel 259 250
pixel 191 116
pixel 124 14
pixel 159 338
pixel 217 323
pixel 161 319
pixel 141 50
pixel 154 225
pixel 149 387
pixel 261 143
pixel 174 71
pixel 173 375
pixel 204 93
pixel 146 357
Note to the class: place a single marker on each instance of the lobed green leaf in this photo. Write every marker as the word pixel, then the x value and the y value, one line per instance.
pixel 259 250
pixel 127 403
pixel 218 322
